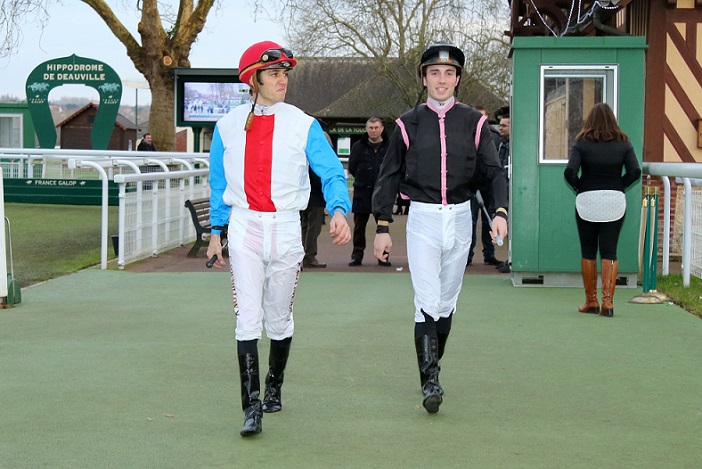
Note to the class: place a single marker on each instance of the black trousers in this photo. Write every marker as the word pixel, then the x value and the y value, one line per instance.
pixel 360 221
pixel 599 235
pixel 311 220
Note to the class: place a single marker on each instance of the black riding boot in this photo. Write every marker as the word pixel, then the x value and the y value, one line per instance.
pixel 250 387
pixel 277 359
pixel 443 329
pixel 426 344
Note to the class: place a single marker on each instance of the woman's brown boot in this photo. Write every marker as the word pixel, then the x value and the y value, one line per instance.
pixel 589 268
pixel 610 269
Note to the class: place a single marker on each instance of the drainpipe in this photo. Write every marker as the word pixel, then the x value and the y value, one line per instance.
pixel 597 23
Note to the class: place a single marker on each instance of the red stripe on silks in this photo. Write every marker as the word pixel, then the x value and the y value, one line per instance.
pixel 258 164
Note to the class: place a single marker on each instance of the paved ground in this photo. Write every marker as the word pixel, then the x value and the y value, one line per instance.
pixel 336 258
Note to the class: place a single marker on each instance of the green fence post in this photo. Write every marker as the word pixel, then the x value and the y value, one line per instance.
pixel 646 264
pixel 654 254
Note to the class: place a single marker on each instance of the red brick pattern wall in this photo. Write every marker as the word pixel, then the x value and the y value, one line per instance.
pixel 181 139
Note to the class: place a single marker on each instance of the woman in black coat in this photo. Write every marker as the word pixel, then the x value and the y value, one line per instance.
pixel 600 152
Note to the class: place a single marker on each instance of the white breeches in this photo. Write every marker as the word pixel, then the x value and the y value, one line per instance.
pixel 265 254
pixel 438 240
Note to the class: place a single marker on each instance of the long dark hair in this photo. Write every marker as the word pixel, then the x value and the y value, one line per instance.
pixel 602 126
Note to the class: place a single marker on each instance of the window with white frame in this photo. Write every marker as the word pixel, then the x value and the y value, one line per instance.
pixel 567 94
pixel 10 131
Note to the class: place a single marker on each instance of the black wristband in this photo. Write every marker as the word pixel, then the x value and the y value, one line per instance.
pixel 501 214
pixel 382 229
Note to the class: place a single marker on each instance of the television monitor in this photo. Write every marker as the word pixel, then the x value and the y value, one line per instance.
pixel 208 102
pixel 203 96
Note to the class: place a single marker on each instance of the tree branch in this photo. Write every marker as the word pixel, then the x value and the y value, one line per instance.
pixel 105 12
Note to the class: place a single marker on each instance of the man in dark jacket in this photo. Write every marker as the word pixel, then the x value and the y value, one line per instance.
pixel 364 164
pixel 146 144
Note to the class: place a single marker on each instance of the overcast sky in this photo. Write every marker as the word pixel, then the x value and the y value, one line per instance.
pixel 75 28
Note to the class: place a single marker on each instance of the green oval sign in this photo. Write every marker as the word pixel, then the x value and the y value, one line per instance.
pixel 69 71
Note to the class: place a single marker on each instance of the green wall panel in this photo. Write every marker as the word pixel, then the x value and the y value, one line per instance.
pixel 59 191
pixel 559 247
pixel 525 194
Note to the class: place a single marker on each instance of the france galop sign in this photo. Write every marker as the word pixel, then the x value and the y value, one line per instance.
pixel 69 71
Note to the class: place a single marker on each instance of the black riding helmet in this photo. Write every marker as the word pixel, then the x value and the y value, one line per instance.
pixel 442 53
pixel 438 53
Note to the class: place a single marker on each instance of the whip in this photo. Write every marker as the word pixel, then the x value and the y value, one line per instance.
pixel 479 198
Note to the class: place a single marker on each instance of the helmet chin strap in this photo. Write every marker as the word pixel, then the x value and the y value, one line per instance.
pixel 249 118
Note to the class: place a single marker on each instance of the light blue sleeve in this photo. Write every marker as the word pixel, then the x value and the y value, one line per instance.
pixel 327 166
pixel 219 211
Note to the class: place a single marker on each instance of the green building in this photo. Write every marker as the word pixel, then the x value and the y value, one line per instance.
pixel 16 127
pixel 556 81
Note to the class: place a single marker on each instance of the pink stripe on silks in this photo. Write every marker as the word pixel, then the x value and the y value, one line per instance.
pixel 478 131
pixel 442 137
pixel 405 137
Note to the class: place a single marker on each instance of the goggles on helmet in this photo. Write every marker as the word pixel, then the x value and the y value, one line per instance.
pixel 271 55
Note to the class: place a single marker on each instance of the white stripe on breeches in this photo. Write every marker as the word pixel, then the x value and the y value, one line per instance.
pixel 265 254
pixel 438 240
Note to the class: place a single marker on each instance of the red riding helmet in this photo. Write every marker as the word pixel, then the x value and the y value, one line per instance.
pixel 262 55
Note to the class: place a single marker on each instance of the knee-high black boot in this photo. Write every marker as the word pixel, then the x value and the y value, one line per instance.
pixel 443 329
pixel 277 359
pixel 250 387
pixel 426 344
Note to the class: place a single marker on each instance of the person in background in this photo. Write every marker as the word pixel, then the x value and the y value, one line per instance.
pixel 312 219
pixel 364 164
pixel 146 144
pixel 401 206
pixel 503 148
pixel 259 162
pixel 503 152
pixel 477 211
pixel 438 152
pixel 594 171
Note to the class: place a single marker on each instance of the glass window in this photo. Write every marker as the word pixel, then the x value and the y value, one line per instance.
pixel 567 95
pixel 10 131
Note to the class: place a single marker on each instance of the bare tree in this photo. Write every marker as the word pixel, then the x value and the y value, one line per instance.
pixel 166 37
pixel 393 33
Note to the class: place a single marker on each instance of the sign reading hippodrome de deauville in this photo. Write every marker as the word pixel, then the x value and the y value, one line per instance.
pixel 68 71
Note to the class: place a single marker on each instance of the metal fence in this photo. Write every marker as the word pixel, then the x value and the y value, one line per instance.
pixel 696 235
pixel 153 188
pixel 692 215
pixel 155 219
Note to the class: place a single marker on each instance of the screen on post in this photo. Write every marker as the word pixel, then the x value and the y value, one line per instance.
pixel 210 101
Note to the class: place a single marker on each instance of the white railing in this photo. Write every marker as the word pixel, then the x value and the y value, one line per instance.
pixel 152 215
pixel 3 249
pixel 686 171
pixel 156 220
pixel 52 163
